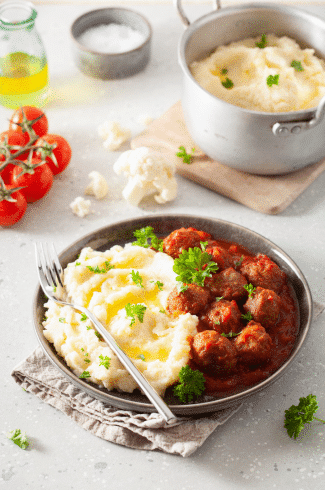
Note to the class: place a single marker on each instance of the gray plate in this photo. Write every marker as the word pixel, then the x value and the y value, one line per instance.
pixel 121 233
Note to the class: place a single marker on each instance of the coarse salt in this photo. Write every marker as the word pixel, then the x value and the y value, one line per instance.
pixel 111 38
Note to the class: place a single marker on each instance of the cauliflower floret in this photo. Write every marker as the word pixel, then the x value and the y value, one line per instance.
pixel 148 173
pixel 113 135
pixel 98 186
pixel 80 206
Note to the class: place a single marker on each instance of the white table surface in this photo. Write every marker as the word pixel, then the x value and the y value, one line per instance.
pixel 252 450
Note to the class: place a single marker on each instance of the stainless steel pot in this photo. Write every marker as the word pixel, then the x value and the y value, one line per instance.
pixel 255 142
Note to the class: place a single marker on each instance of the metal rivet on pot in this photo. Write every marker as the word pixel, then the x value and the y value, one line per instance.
pixel 296 129
pixel 282 130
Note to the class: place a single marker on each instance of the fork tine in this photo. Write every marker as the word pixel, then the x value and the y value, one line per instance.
pixel 43 275
pixel 50 272
pixel 56 265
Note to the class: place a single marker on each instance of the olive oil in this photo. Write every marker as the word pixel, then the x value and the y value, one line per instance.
pixel 23 80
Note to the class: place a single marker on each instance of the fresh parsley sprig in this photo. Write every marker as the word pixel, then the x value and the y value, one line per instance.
pixel 135 310
pixel 19 438
pixel 193 266
pixel 263 43
pixel 146 238
pixel 230 335
pixel 228 83
pixel 105 361
pixel 297 65
pixel 97 270
pixel 250 289
pixel 247 316
pixel 298 415
pixel 272 80
pixel 187 157
pixel 137 279
pixel 191 384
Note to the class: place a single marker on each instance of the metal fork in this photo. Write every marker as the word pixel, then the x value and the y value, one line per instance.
pixel 50 275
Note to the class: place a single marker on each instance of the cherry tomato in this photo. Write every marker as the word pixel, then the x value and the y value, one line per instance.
pixel 10 138
pixel 35 177
pixel 24 117
pixel 11 211
pixel 62 152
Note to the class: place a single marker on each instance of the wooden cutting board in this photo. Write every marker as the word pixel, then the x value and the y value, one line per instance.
pixel 266 194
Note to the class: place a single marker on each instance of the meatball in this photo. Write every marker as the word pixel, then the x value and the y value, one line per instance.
pixel 213 352
pixel 220 255
pixel 253 344
pixel 229 284
pixel 262 271
pixel 222 316
pixel 264 306
pixel 183 239
pixel 193 300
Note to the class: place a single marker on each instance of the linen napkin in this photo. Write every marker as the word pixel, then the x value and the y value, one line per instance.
pixel 37 375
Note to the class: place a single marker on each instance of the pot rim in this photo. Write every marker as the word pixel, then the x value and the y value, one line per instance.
pixel 301 114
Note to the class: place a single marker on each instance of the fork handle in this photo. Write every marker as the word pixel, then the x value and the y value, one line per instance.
pixel 151 393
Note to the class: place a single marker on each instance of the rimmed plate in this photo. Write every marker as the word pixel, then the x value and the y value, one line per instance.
pixel 121 233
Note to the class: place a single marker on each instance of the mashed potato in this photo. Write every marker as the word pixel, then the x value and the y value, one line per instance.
pixel 241 73
pixel 158 345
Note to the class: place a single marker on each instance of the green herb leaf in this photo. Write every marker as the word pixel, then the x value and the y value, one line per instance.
pixel 238 263
pixel 250 289
pixel 191 384
pixel 159 285
pixel 162 311
pixel 272 80
pixel 193 266
pixel 97 270
pixel 105 361
pixel 141 356
pixel 297 65
pixel 228 83
pixel 99 336
pixel 224 71
pixel 219 298
pixel 146 238
pixel 298 415
pixel 187 157
pixel 84 375
pixel 230 335
pixel 19 438
pixel 262 44
pixel 247 316
pixel 62 320
pixel 83 317
pixel 77 263
pixel 135 310
pixel 137 279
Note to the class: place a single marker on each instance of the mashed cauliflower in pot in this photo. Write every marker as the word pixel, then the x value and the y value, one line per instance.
pixel 105 282
pixel 266 73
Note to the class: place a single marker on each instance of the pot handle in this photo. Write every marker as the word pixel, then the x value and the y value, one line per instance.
pixel 297 127
pixel 186 22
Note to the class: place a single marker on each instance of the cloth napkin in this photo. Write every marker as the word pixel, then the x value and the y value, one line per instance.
pixel 37 375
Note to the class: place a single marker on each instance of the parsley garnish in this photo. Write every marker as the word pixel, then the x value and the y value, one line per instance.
pixel 137 279
pixel 85 374
pixel 230 334
pixel 250 289
pixel 217 322
pixel 135 310
pixel 159 285
pixel 162 311
pixel 272 80
pixel 262 44
pixel 228 83
pixel 187 157
pixel 141 356
pixel 145 234
pixel 62 320
pixel 219 298
pixel 239 262
pixel 247 316
pixel 297 65
pixel 97 270
pixel 105 361
pixel 193 266
pixel 224 71
pixel 99 336
pixel 77 263
pixel 83 317
pixel 191 383
pixel 298 415
pixel 18 438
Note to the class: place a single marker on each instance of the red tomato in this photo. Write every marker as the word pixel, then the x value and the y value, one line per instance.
pixel 35 177
pixel 11 211
pixel 27 117
pixel 61 151
pixel 10 138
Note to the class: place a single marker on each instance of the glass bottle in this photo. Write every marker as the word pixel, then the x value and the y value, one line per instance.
pixel 23 63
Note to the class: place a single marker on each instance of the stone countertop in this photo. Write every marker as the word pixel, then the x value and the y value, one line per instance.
pixel 252 449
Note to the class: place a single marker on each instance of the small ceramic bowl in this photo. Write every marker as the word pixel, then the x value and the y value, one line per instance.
pixel 107 65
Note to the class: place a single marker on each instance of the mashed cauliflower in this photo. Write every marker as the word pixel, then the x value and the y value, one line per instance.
pixel 241 73
pixel 105 282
